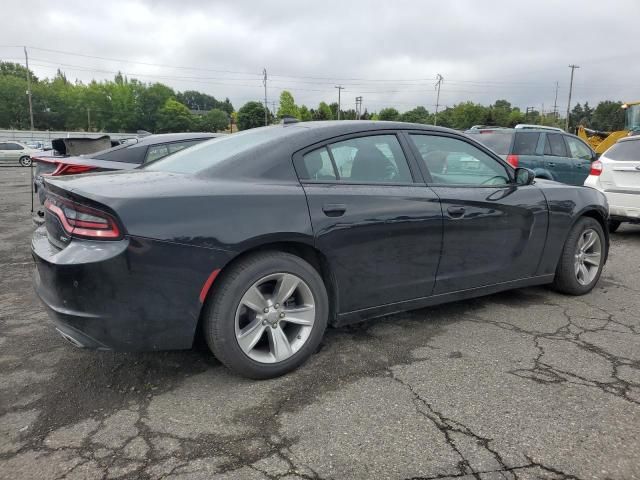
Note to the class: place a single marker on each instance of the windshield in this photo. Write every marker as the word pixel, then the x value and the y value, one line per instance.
pixel 632 119
pixel 499 142
pixel 628 151
pixel 210 153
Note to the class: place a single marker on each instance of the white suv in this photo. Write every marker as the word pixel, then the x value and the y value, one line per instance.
pixel 617 175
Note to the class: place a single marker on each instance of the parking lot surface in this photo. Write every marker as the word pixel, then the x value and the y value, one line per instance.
pixel 525 384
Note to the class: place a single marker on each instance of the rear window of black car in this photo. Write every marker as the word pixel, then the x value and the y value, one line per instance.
pixel 499 142
pixel 526 143
pixel 628 151
pixel 212 152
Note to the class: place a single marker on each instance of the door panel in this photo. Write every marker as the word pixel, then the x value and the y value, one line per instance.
pixel 556 159
pixel 581 156
pixel 382 241
pixel 491 235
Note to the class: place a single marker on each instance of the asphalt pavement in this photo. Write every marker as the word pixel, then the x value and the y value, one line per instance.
pixel 525 384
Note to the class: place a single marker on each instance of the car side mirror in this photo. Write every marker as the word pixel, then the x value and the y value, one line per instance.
pixel 524 176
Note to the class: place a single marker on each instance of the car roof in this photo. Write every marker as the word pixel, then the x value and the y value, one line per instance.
pixel 629 139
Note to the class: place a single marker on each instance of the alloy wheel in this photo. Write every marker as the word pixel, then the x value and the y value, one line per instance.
pixel 25 161
pixel 275 318
pixel 588 256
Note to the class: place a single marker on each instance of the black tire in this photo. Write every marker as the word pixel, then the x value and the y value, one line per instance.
pixel 25 161
pixel 219 317
pixel 614 225
pixel 565 280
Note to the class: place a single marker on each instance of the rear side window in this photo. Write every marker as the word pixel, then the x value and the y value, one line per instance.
pixel 156 152
pixel 628 151
pixel 176 147
pixel 318 166
pixel 498 142
pixel 377 158
pixel 526 143
pixel 554 145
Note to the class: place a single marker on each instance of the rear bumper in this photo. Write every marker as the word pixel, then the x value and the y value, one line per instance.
pixel 128 295
pixel 624 206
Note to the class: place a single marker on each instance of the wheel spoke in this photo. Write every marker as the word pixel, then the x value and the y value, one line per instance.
pixel 250 335
pixel 577 267
pixel 285 287
pixel 592 258
pixel 254 300
pixel 304 315
pixel 279 344
pixel 585 273
pixel 590 239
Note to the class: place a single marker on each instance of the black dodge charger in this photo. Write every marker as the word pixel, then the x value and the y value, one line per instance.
pixel 260 239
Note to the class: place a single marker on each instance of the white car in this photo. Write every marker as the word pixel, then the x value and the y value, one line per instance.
pixel 16 153
pixel 617 175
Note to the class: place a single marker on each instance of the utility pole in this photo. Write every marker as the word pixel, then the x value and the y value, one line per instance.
pixel 555 104
pixel 88 119
pixel 340 88
pixel 572 67
pixel 439 79
pixel 358 107
pixel 266 105
pixel 26 61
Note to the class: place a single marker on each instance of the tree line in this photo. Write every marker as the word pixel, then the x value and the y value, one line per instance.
pixel 127 105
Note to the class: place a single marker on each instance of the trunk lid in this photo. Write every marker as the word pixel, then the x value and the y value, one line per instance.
pixel 621 167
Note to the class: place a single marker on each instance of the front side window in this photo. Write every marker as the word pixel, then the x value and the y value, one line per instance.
pixel 14 146
pixel 453 162
pixel 578 149
pixel 526 143
pixel 376 158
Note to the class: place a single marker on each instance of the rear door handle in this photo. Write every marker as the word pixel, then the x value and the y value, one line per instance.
pixel 455 212
pixel 334 209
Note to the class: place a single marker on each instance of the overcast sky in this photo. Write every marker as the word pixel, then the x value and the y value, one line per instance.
pixel 389 52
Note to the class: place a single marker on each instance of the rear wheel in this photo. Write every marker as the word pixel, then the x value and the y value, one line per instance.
pixel 267 315
pixel 582 258
pixel 614 225
pixel 25 161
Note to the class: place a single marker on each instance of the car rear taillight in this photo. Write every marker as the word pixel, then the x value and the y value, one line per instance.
pixel 513 160
pixel 70 169
pixel 596 168
pixel 81 221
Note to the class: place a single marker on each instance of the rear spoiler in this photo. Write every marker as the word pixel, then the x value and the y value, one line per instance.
pixel 81 145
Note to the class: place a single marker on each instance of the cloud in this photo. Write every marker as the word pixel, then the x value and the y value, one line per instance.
pixel 389 52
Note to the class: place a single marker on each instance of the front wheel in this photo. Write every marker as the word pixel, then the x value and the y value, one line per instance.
pixel 267 315
pixel 582 258
pixel 25 161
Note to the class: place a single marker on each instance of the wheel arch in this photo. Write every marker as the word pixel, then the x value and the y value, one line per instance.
pixel 598 215
pixel 299 248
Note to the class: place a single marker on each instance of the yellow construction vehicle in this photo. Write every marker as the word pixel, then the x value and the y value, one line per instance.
pixel 600 141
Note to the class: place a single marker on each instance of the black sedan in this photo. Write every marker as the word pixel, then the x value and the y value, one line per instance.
pixel 260 239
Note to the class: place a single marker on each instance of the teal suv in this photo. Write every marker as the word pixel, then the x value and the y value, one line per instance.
pixel 550 153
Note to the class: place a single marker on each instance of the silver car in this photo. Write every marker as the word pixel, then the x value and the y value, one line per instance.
pixel 16 153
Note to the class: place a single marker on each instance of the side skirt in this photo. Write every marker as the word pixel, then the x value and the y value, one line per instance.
pixel 415 304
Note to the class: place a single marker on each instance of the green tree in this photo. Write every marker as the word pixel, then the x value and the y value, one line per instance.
pixel 389 114
pixel 215 120
pixel 608 116
pixel 174 117
pixel 466 114
pixel 417 115
pixel 251 115
pixel 305 114
pixel 287 106
pixel 323 112
pixel 148 104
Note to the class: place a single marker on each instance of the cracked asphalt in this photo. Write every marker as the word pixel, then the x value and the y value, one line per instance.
pixel 525 384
